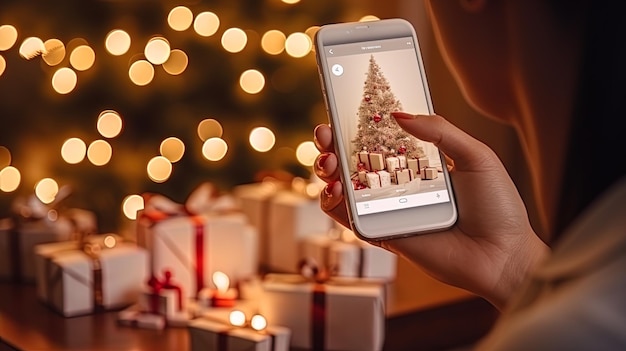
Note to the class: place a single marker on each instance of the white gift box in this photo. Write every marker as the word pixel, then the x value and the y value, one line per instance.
pixel 292 217
pixel 392 164
pixel 403 176
pixel 337 315
pixel 378 179
pixel 192 248
pixel 76 285
pixel 402 160
pixel 354 258
pixel 373 161
pixel 429 173
pixel 207 334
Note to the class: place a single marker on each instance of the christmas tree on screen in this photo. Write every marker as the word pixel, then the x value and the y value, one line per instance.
pixel 377 130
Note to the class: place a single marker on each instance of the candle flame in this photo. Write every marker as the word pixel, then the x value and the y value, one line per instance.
pixel 237 318
pixel 258 322
pixel 221 281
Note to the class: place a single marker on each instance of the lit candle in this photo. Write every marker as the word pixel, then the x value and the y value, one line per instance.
pixel 223 295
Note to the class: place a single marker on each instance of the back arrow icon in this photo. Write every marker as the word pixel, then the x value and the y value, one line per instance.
pixel 330 51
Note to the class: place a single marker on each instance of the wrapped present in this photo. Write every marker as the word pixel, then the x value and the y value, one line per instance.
pixel 93 278
pixel 403 161
pixel 429 173
pixel 403 176
pixel 210 334
pixel 378 179
pixel 372 161
pixel 417 164
pixel 165 297
pixel 292 217
pixel 349 257
pixel 194 247
pixel 392 163
pixel 333 315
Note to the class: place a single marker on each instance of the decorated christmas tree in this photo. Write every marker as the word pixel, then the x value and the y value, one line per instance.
pixel 377 130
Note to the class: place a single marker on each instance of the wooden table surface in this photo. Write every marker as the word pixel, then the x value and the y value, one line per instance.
pixel 422 315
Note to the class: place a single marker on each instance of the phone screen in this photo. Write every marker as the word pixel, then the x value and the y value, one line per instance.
pixel 389 168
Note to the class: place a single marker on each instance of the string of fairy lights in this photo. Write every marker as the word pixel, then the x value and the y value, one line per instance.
pixel 76 56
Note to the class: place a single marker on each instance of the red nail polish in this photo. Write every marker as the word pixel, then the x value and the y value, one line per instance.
pixel 321 160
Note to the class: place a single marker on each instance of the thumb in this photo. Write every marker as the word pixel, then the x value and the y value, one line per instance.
pixel 467 152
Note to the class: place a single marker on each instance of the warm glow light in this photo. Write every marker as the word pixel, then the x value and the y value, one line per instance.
pixel 117 42
pixel 306 153
pixel 46 190
pixel 82 57
pixel 262 139
pixel 252 81
pixel 313 189
pixel 10 179
pixel 110 241
pixel 176 63
pixel 214 149
pixel 5 157
pixel 3 65
pixel 206 24
pixel 159 169
pixel 273 42
pixel 291 2
pixel 141 72
pixel 234 40
pixel 8 37
pixel 64 80
pixel 180 18
pixel 237 318
pixel 99 152
pixel 109 124
pixel 369 18
pixel 73 150
pixel 298 44
pixel 157 50
pixel 258 322
pixel 173 149
pixel 54 53
pixel 221 281
pixel 209 128
pixel 32 47
pixel 131 205
pixel 311 31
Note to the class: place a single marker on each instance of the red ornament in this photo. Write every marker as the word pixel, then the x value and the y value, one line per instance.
pixel 367 98
pixel 377 118
pixel 402 150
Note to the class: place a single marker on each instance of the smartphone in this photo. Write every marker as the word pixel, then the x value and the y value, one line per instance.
pixel 395 184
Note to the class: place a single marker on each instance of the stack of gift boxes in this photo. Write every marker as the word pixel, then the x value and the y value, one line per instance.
pixel 264 251
pixel 376 170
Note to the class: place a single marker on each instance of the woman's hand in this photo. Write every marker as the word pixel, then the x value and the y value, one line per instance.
pixel 491 248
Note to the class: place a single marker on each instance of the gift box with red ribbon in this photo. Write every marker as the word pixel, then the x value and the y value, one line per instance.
pixel 94 278
pixel 334 314
pixel 193 245
pixel 373 161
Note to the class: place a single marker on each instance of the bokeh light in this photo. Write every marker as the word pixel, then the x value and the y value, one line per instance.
pixel 180 18
pixel 82 57
pixel 99 152
pixel 206 24
pixel 110 241
pixel 141 72
pixel 173 149
pixel 306 153
pixel 311 31
pixel 31 47
pixel 273 42
pixel 64 80
pixel 262 139
pixel 209 128
pixel 258 322
pixel 10 179
pixel 109 124
pixel 176 63
pixel 368 18
pixel 298 44
pixel 131 205
pixel 117 42
pixel 252 81
pixel 157 50
pixel 234 40
pixel 73 150
pixel 46 190
pixel 237 318
pixel 8 37
pixel 214 149
pixel 55 52
pixel 159 169
pixel 3 65
pixel 5 157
